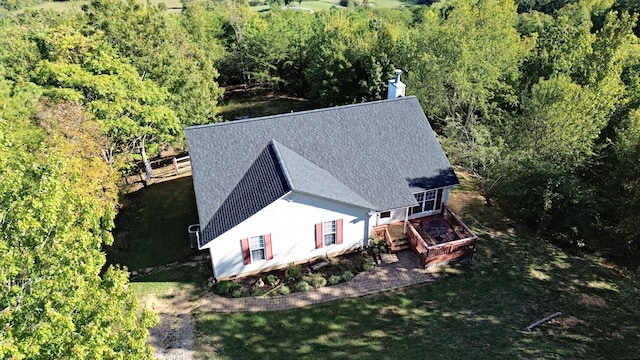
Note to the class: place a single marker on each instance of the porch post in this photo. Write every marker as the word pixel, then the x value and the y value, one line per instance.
pixel 406 220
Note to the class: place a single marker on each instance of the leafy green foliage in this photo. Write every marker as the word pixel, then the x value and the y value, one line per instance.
pixel 301 286
pixel 334 279
pixel 346 275
pixel 160 50
pixel 345 66
pixel 58 302
pixel 318 281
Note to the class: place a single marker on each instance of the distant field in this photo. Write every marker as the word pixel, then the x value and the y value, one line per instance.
pixel 172 5
pixel 318 5
pixel 175 6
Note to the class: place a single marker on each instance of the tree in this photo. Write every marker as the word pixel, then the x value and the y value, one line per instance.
pixel 622 215
pixel 463 64
pixel 56 303
pixel 132 111
pixel 572 98
pixel 277 50
pixel 157 45
pixel 347 59
pixel 552 143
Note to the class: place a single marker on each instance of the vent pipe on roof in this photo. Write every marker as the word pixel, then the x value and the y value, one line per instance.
pixel 396 87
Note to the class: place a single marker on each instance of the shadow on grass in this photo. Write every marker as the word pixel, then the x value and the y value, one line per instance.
pixel 477 312
pixel 164 284
pixel 243 106
pixel 151 229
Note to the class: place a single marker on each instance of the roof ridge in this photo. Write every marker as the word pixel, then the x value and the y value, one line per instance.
pixel 285 115
pixel 320 172
pixel 285 171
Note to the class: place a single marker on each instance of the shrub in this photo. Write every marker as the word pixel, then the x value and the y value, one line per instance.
pixel 236 293
pixel 257 291
pixel 334 279
pixel 294 273
pixel 301 286
pixel 318 281
pixel 377 245
pixel 368 266
pixel 225 288
pixel 272 279
pixel 284 290
pixel 347 275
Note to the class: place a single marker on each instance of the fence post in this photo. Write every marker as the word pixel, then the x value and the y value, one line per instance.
pixel 175 165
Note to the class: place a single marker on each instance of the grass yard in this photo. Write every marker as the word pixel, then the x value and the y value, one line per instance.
pixel 235 107
pixel 151 229
pixel 167 284
pixel 472 312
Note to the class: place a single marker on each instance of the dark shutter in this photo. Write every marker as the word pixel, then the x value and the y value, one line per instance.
pixel 439 199
pixel 246 254
pixel 339 231
pixel 319 235
pixel 267 246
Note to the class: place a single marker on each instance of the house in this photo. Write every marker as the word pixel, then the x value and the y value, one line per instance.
pixel 294 187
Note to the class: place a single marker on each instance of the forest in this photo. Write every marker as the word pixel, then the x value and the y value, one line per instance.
pixel 539 101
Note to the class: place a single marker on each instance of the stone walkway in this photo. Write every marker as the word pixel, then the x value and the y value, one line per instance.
pixel 395 271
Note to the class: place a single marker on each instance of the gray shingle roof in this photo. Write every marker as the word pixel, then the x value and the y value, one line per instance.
pixel 307 177
pixel 263 183
pixel 371 155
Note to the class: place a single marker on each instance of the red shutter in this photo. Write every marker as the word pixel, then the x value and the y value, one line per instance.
pixel 339 231
pixel 267 246
pixel 318 235
pixel 246 254
pixel 439 199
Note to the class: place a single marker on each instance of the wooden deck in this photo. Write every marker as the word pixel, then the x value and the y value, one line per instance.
pixel 436 239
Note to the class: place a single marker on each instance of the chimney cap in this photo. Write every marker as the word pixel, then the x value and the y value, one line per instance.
pixel 398 72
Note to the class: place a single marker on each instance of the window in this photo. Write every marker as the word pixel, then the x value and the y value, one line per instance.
pixel 256 248
pixel 256 244
pixel 385 214
pixel 426 201
pixel 329 232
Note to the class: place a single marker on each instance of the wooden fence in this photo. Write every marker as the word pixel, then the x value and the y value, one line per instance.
pixel 182 164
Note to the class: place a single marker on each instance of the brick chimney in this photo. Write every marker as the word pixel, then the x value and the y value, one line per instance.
pixel 396 87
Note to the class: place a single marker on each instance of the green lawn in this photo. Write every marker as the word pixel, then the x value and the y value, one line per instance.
pixel 166 284
pixel 151 229
pixel 260 105
pixel 472 312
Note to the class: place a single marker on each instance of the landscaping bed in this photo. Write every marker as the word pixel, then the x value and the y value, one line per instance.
pixel 297 277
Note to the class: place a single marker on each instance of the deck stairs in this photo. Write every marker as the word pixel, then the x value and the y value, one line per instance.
pixel 398 241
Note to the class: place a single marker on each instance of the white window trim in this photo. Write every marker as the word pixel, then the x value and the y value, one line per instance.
pixel 255 248
pixel 427 196
pixel 333 230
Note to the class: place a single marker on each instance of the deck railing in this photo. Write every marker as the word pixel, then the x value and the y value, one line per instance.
pixel 431 255
pixel 382 232
pixel 419 246
pixel 461 229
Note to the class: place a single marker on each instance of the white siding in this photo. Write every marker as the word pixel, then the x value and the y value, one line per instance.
pixel 291 223
pixel 396 215
pixel 399 214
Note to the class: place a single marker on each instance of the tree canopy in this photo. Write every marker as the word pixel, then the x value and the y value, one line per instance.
pixel 537 100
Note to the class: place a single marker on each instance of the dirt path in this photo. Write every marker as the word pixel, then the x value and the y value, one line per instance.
pixel 173 337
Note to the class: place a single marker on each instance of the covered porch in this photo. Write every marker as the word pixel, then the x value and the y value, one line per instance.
pixel 436 239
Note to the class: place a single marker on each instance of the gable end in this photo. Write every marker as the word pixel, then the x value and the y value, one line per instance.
pixel 263 183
